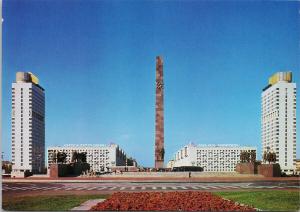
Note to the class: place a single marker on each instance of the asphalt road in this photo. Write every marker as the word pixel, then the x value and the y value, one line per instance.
pixel 106 187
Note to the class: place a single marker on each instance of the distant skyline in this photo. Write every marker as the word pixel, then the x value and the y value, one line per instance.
pixel 96 61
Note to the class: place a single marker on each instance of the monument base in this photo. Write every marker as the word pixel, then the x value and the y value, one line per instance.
pixel 159 164
pixel 124 168
pixel 68 170
pixel 269 170
pixel 20 174
pixel 247 168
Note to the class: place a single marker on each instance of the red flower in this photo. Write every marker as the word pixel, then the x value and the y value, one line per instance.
pixel 169 201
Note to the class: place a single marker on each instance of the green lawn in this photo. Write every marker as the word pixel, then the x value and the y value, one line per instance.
pixel 266 200
pixel 50 203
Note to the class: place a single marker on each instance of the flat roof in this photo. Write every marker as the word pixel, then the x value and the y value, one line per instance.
pixel 83 145
pixel 220 146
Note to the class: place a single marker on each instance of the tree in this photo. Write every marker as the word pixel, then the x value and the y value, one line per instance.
pixel 82 157
pixel 245 157
pixel 79 157
pixel 61 157
pixel 265 156
pixel 74 157
pixel 54 157
pixel 7 168
pixel 253 156
pixel 270 157
pixel 242 157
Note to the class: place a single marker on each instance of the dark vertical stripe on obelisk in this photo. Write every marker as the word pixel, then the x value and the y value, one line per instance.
pixel 159 115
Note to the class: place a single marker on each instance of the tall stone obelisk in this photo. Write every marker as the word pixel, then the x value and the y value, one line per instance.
pixel 159 115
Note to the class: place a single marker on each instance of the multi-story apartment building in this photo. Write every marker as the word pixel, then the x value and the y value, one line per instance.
pixel 28 125
pixel 212 158
pixel 100 157
pixel 278 120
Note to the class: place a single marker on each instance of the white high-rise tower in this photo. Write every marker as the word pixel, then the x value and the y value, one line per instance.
pixel 278 121
pixel 28 125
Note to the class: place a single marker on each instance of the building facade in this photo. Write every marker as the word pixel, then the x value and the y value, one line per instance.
pixel 28 125
pixel 100 157
pixel 298 166
pixel 278 120
pixel 212 158
pixel 170 164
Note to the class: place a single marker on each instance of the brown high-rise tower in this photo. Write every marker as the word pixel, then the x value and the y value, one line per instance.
pixel 159 115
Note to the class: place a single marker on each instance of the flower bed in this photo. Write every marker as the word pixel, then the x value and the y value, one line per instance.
pixel 168 201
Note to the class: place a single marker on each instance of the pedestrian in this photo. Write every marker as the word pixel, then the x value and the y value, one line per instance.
pixel 190 174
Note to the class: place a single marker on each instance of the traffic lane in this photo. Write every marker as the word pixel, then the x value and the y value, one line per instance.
pixel 278 183
pixel 59 187
pixel 75 184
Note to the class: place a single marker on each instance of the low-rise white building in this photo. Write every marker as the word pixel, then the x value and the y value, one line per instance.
pixel 212 158
pixel 170 164
pixel 100 157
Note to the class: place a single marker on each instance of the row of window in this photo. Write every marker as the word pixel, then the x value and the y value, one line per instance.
pixel 88 151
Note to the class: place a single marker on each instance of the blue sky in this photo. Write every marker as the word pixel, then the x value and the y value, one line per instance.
pixel 96 61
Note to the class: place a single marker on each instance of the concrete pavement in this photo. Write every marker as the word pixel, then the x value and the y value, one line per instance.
pixel 87 205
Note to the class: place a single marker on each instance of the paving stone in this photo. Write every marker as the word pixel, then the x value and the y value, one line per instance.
pixel 87 205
